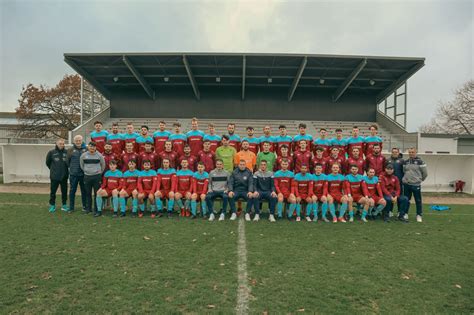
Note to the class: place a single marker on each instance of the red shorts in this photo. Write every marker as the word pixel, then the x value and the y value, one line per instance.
pixel 146 192
pixel 130 191
pixel 319 197
pixel 109 192
pixel 337 198
pixel 183 193
pixel 164 193
pixel 376 198
pixel 357 198
pixel 304 196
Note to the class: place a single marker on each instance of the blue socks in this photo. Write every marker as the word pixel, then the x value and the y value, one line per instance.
pixel 351 214
pixel 98 201
pixel 123 205
pixel 332 209
pixel 324 209
pixel 309 207
pixel 342 210
pixel 193 207
pixel 159 204
pixel 180 203
pixel 280 209
pixel 298 210
pixel 315 209
pixel 134 205
pixel 115 203
pixel 378 209
pixel 170 205
pixel 292 209
pixel 203 208
pixel 364 213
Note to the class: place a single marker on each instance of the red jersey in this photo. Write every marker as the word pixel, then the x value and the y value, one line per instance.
pixel 301 158
pixel 112 180
pixel 147 181
pixel 159 138
pixel 208 158
pixel 373 187
pixel 390 185
pixel 360 162
pixel 303 185
pixel 283 181
pixel 166 180
pixel 356 186
pixel 130 180
pixel 279 159
pixel 320 185
pixel 178 141
pixel 109 157
pixel 195 141
pixel 152 157
pixel 172 156
pixel 184 180
pixel 126 157
pixel 336 184
pixel 377 162
pixel 200 183
pixel 357 142
pixel 333 160
pixel 117 143
pixel 192 162
pixel 315 160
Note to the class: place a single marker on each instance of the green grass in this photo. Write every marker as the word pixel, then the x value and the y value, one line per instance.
pixel 60 263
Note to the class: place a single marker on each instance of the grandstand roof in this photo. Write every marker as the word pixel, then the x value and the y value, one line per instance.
pixel 155 72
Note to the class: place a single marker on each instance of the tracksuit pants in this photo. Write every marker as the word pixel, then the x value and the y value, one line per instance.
pixel 74 182
pixel 414 190
pixel 54 188
pixel 212 196
pixel 91 185
pixel 402 204
pixel 265 195
pixel 240 195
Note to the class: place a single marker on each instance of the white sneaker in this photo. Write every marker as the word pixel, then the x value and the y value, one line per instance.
pixel 222 217
pixel 271 218
pixel 405 216
pixel 256 218
pixel 315 219
pixel 390 214
pixel 247 217
pixel 233 217
pixel 351 219
pixel 308 219
pixel 364 220
pixel 212 217
pixel 419 218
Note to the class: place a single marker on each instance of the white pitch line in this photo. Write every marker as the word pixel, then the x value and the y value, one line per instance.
pixel 243 291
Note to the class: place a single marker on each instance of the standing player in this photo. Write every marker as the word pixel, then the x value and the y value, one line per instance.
pixel 336 193
pixel 355 141
pixel 320 192
pixel 340 143
pixel 195 137
pixel 267 136
pixel 319 158
pixel 302 136
pixel 178 139
pixel 357 192
pixel 143 138
pixel 116 139
pixel 129 188
pixel 111 185
pixel 245 154
pixel 355 159
pixel 284 155
pixel 301 156
pixel 376 160
pixel 99 136
pixel 392 193
pixel 109 155
pixel 283 140
pixel 323 142
pixel 192 159
pixel 376 201
pixel 199 190
pixel 169 154
pixel 226 153
pixel 213 139
pixel 165 187
pixel 335 158
pixel 160 136
pixel 284 188
pixel 253 141
pixel 207 157
pixel 372 139
pixel 149 155
pixel 131 136
pixel 234 139
pixel 128 155
pixel 303 190
pixel 146 188
pixel 264 189
pixel 184 179
pixel 267 155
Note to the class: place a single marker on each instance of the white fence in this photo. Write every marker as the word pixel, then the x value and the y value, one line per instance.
pixel 26 163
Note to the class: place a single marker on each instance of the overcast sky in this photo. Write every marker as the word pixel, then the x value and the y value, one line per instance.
pixel 35 34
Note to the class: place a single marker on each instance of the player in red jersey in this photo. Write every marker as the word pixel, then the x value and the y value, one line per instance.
pixel 320 191
pixel 283 139
pixel 303 190
pixel 111 185
pixel 355 159
pixel 376 160
pixel 319 158
pixel 169 154
pixel 213 138
pixel 160 136
pixel 184 187
pixel 149 155
pixel 335 158
pixel 199 190
pixel 116 139
pixel 128 155
pixel 195 137
pixel 376 200
pixel 207 157
pixel 234 140
pixel 283 180
pixel 284 155
pixel 372 139
pixel 178 139
pixel 302 156
pixel 130 136
pixel 355 141
pixel 337 193
pixel 252 140
pixel 129 188
pixel 192 160
pixel 99 136
pixel 146 188
pixel 165 187
pixel 109 155
pixel 302 135
pixel 357 191
pixel 339 142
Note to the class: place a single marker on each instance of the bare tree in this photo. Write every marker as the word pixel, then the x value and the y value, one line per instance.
pixel 455 116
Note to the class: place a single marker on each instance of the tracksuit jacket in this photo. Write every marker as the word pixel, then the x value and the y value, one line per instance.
pixel 73 159
pixel 56 161
pixel 415 171
pixel 218 180
pixel 241 181
pixel 263 181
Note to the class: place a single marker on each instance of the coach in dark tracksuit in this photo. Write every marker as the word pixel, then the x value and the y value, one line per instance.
pixel 56 161
pixel 76 175
pixel 93 165
pixel 264 190
pixel 415 172
pixel 241 187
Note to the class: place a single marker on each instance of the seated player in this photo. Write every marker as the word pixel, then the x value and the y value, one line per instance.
pixel 192 160
pixel 284 155
pixel 318 158
pixel 335 158
pixel 254 142
pixel 336 193
pixel 240 186
pixel 284 187
pixel 129 188
pixel 302 156
pixel 355 159
pixel 199 190
pixel 165 187
pixel 111 185
pixel 206 156
pixel 320 191
pixel 169 154
pixel 264 189
pixel 183 188
pixel 303 190
pixel 357 192
pixel 129 155
pixel 146 188
pixel 391 192
pixel 149 155
pixel 376 201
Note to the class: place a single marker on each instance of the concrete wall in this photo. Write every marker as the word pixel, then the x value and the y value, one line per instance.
pixel 466 146
pixel 259 104
pixel 435 145
pixel 26 163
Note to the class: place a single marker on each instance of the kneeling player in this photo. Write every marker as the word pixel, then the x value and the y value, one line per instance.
pixel 200 182
pixel 320 191
pixel 110 188
pixel 146 188
pixel 129 188
pixel 357 191
pixel 165 187
pixel 336 193
pixel 376 201
pixel 303 190
pixel 183 188
pixel 284 185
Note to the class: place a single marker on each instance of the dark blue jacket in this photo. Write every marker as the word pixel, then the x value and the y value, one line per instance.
pixel 397 164
pixel 56 161
pixel 73 159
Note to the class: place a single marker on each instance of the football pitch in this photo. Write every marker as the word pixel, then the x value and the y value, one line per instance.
pixel 75 263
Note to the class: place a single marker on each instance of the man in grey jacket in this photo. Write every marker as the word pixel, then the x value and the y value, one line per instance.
pixel 93 165
pixel 415 172
pixel 217 188
pixel 241 187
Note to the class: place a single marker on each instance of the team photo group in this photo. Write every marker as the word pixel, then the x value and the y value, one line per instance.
pixel 332 177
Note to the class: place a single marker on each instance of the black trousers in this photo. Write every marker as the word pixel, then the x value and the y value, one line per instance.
pixel 54 188
pixel 91 185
